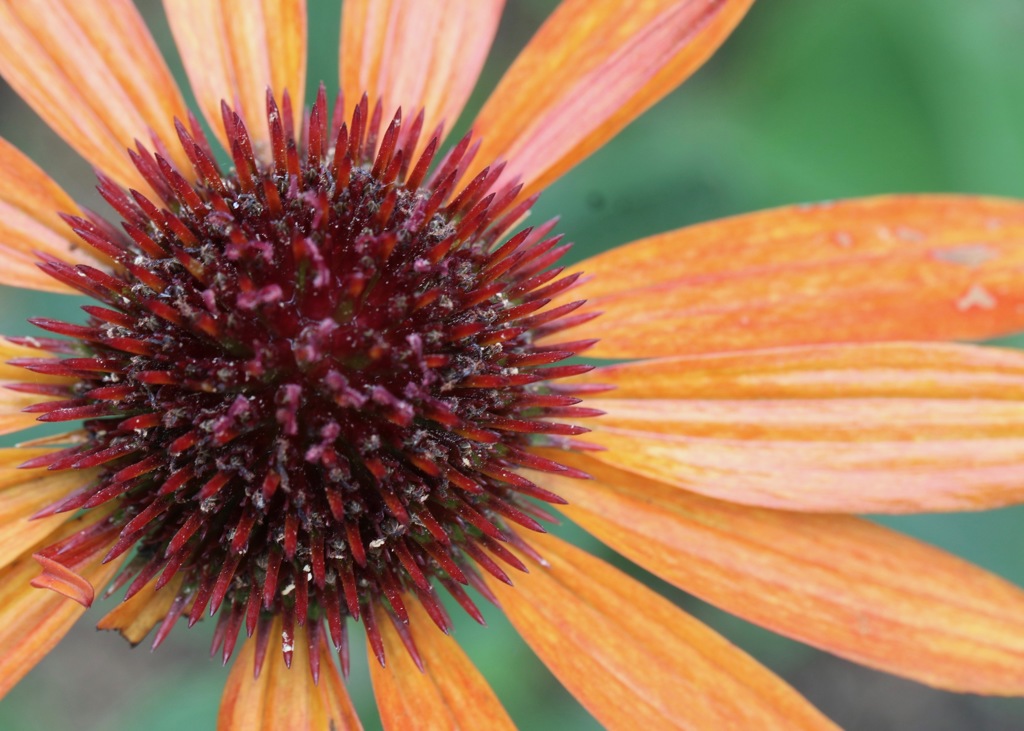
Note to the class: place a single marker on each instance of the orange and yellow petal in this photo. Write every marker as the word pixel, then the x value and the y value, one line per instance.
pixel 447 693
pixel 420 56
pixel 12 418
pixel 234 50
pixel 839 583
pixel 33 620
pixel 29 204
pixel 23 493
pixel 874 269
pixel 840 371
pixel 633 659
pixel 91 70
pixel 593 67
pixel 783 431
pixel 137 615
pixel 283 698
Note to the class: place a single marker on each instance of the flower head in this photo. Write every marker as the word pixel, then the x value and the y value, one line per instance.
pixel 324 378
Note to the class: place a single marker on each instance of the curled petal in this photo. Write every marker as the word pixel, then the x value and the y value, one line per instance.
pixel 633 659
pixel 32 622
pixel 448 693
pixel 888 268
pixel 840 583
pixel 90 69
pixel 592 68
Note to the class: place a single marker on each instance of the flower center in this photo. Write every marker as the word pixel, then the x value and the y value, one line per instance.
pixel 310 383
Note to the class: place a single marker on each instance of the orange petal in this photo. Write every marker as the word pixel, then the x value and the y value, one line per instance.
pixel 29 204
pixel 32 622
pixel 234 50
pixel 898 370
pixel 890 268
pixel 12 419
pixel 448 693
pixel 824 428
pixel 839 583
pixel 872 475
pixel 23 493
pixel 592 68
pixel 282 698
pixel 135 617
pixel 633 659
pixel 90 69
pixel 416 55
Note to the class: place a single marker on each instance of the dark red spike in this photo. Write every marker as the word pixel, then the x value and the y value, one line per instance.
pixel 223 582
pixel 464 601
pixel 373 632
pixel 202 598
pixel 274 559
pixel 415 179
pixel 387 146
pixel 484 561
pixel 184 533
pixel 173 614
pixel 313 633
pixel 402 628
pixel 278 148
pixel 315 147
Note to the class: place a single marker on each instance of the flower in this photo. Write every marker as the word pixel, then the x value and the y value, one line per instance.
pixel 774 385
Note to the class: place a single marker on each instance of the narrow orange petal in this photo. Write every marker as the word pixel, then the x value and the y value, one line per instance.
pixel 10 351
pixel 842 584
pixel 592 68
pixel 888 428
pixel 29 204
pixel 234 50
pixel 889 268
pixel 885 476
pixel 32 622
pixel 23 493
pixel 633 659
pixel 135 617
pixel 12 419
pixel 282 698
pixel 860 370
pixel 90 69
pixel 449 693
pixel 416 55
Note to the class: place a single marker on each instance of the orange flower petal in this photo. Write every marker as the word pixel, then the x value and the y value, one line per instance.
pixel 32 622
pixel 283 699
pixel 839 583
pixel 633 659
pixel 29 204
pixel 781 430
pixel 448 693
pixel 234 50
pixel 416 55
pixel 899 370
pixel 135 617
pixel 592 68
pixel 23 493
pixel 890 268
pixel 91 70
pixel 12 419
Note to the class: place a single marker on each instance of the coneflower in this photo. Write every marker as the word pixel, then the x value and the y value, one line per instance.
pixel 326 378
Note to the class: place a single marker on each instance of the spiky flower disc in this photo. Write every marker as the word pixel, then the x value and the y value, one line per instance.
pixel 309 383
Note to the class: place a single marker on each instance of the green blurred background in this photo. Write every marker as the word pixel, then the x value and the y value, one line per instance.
pixel 809 100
